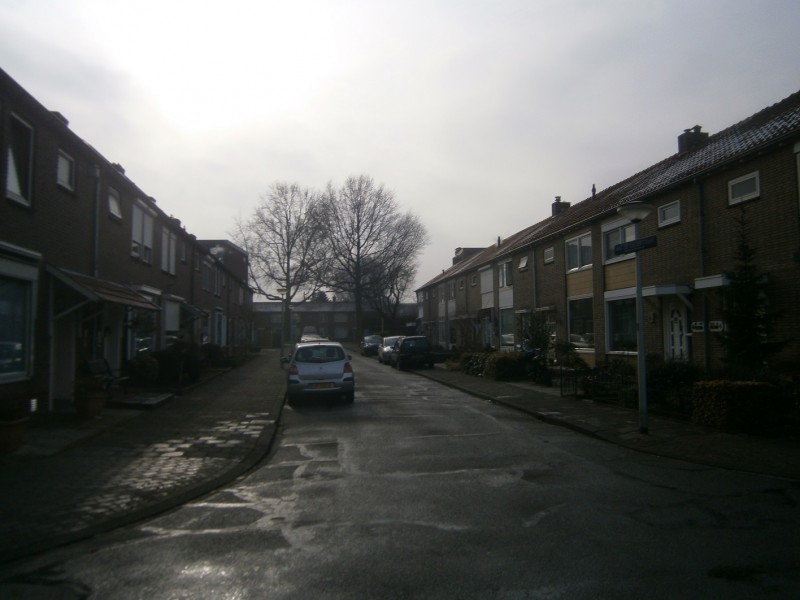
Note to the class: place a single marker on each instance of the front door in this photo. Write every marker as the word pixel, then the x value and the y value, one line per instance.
pixel 677 342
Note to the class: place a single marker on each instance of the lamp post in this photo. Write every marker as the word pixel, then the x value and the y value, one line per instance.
pixel 636 212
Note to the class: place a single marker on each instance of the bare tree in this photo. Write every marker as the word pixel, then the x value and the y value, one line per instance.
pixel 282 239
pixel 373 248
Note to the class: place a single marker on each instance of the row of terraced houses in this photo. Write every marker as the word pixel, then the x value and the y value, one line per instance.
pixel 91 267
pixel 564 269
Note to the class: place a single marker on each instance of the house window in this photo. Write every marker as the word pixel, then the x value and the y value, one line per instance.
pixel 65 171
pixel 622 325
pixel 581 323
pixel 15 327
pixel 504 274
pixel 744 188
pixel 114 204
pixel 579 252
pixel 617 234
pixel 142 234
pixel 168 248
pixel 460 284
pixel 19 161
pixel 474 281
pixel 523 263
pixel 669 213
pixel 549 254
pixel 507 328
pixel 451 290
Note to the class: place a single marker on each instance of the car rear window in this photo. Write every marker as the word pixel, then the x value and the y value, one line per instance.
pixel 319 354
pixel 420 343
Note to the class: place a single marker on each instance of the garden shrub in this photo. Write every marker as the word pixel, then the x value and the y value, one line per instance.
pixel 749 406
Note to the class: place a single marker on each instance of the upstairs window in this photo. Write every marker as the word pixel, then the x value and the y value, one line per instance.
pixel 579 252
pixel 19 161
pixel 669 213
pixel 65 171
pixel 744 188
pixel 549 255
pixel 168 247
pixel 617 234
pixel 523 263
pixel 142 234
pixel 114 203
pixel 504 274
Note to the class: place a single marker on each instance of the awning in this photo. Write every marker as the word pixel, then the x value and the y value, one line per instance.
pixel 98 290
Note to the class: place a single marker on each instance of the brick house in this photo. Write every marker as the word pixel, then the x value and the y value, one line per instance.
pixel 334 320
pixel 91 267
pixel 565 267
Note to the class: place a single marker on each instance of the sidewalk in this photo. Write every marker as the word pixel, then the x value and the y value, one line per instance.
pixel 73 479
pixel 779 457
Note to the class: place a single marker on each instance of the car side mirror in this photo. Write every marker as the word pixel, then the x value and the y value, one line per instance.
pixel 284 360
pixel 349 357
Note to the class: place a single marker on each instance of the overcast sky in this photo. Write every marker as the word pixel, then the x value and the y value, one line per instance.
pixel 476 113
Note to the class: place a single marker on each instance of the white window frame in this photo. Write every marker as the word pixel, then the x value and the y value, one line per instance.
pixel 114 203
pixel 505 275
pixel 622 227
pixel 19 168
pixel 572 336
pixel 663 219
pixel 65 171
pixel 733 200
pixel 523 263
pixel 549 255
pixel 169 243
pixel 578 240
pixel 142 233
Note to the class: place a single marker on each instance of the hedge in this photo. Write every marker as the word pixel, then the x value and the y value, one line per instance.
pixel 749 406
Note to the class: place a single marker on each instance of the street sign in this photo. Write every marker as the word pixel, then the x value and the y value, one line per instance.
pixel 635 245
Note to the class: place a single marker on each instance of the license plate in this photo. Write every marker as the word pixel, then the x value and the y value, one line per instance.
pixel 321 386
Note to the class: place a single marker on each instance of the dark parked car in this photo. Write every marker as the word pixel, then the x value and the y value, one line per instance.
pixel 412 351
pixel 370 344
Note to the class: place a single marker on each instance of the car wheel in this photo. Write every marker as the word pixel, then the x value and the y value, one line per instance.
pixel 350 397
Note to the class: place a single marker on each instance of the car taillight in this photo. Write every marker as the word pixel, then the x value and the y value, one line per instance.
pixel 293 369
pixel 348 368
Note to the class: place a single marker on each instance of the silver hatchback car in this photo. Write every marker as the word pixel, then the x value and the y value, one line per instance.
pixel 320 369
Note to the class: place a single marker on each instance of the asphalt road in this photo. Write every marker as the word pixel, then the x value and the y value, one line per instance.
pixel 418 490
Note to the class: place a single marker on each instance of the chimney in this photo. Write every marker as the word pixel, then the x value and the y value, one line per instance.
pixel 559 206
pixel 691 139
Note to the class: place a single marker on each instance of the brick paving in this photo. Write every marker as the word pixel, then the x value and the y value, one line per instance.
pixel 74 479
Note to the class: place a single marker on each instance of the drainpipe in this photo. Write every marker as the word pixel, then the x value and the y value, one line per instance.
pixel 702 242
pixel 96 221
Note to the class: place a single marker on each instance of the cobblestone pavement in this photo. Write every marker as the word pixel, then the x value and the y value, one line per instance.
pixel 73 479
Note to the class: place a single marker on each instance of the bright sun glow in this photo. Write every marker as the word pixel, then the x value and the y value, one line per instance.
pixel 212 69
